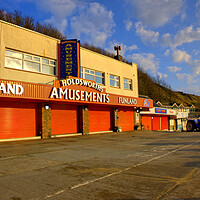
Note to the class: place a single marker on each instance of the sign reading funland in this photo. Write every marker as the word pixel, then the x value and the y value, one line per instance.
pixel 11 89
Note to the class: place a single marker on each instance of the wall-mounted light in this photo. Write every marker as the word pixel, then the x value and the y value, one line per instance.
pixel 85 108
pixel 46 107
pixel 138 110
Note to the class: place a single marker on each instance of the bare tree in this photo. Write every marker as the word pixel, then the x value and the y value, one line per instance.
pixel 29 23
pixel 17 18
pixel 2 14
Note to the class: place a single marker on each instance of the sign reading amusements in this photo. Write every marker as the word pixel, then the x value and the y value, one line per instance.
pixel 79 95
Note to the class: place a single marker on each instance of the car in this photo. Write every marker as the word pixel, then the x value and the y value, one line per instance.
pixel 193 124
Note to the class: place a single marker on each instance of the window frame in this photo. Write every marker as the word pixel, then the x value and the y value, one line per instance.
pixel 91 72
pixel 29 58
pixel 128 81
pixel 115 81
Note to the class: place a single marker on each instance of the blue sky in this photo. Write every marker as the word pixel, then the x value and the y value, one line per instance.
pixel 162 36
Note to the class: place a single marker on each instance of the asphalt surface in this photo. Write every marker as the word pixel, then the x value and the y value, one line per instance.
pixel 129 166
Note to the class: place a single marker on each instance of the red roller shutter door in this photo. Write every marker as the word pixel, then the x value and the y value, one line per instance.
pixel 156 123
pixel 164 123
pixel 126 119
pixel 64 119
pixel 18 120
pixel 99 118
pixel 146 121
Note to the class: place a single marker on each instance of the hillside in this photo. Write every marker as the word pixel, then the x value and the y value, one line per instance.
pixel 159 90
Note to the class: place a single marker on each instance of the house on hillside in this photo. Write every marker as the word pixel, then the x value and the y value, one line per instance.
pixel 179 107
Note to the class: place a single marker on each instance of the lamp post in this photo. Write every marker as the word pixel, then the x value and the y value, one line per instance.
pixel 117 48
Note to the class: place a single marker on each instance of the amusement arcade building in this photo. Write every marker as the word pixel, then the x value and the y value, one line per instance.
pixel 36 101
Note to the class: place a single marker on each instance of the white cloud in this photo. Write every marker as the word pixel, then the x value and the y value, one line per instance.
pixel 192 89
pixel 174 69
pixel 166 40
pixel 88 21
pixel 60 10
pixel 196 66
pixel 197 8
pixel 161 75
pixel 190 78
pixel 183 16
pixel 181 56
pixel 196 52
pixel 128 24
pixel 197 3
pixel 167 52
pixel 154 12
pixel 95 24
pixel 147 61
pixel 60 24
pixel 132 47
pixel 181 76
pixel 186 35
pixel 146 35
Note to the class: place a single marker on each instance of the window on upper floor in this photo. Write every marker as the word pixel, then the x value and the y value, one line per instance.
pixel 28 62
pixel 93 75
pixel 127 84
pixel 114 81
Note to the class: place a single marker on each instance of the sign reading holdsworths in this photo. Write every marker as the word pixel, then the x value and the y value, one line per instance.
pixel 83 82
pixel 69 58
pixel 80 95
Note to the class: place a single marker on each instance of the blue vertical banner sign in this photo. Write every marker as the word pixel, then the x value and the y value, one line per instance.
pixel 69 59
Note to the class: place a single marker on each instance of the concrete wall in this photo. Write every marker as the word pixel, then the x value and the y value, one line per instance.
pixel 95 61
pixel 20 39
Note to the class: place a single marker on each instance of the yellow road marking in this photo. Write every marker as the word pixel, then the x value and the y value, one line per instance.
pixel 184 179
pixel 162 178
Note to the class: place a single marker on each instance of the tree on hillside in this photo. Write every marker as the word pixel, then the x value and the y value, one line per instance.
pixel 28 22
pixel 154 87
